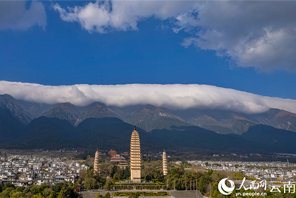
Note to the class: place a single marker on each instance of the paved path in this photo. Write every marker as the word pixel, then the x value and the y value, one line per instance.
pixel 186 194
pixel 176 194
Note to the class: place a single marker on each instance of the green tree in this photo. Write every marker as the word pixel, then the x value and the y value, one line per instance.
pixel 26 190
pixel 53 194
pixel 65 193
pixel 108 185
pixel 114 170
pixel 116 177
pixel 107 195
pixel 99 195
pixel 34 189
pixel 8 185
pixel 126 173
pixel 37 196
pixel 57 187
pixel 90 183
pixel 238 176
pixel 47 192
pixel 18 195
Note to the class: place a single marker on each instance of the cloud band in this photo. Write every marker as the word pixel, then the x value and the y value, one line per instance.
pixel 177 96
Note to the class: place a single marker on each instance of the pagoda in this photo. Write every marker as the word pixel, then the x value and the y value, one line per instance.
pixel 164 163
pixel 135 157
pixel 96 163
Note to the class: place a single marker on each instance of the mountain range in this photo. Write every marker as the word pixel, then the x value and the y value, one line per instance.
pixel 26 124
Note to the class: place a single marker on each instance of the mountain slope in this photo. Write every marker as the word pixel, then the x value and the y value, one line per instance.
pixel 47 133
pixel 149 117
pixel 64 111
pixel 196 137
pixel 107 133
pixel 8 102
pixel 277 140
pixel 275 117
pixel 96 110
pixel 10 126
pixel 35 109
pixel 220 121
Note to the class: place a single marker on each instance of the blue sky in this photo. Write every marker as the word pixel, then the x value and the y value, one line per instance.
pixel 59 51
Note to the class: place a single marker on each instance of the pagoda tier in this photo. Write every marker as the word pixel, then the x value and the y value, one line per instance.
pixel 135 157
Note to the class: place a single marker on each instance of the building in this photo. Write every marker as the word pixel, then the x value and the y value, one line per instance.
pixel 96 163
pixel 125 154
pixel 122 163
pixel 112 153
pixel 164 163
pixel 117 159
pixel 135 156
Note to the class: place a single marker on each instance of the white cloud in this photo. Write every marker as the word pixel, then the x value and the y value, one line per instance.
pixel 176 96
pixel 121 15
pixel 14 15
pixel 260 34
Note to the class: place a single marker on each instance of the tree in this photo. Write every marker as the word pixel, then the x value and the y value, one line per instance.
pixel 65 193
pixel 126 173
pixel 34 189
pixel 114 170
pixel 108 185
pixel 107 195
pixel 116 177
pixel 18 195
pixel 37 196
pixel 90 183
pixel 99 195
pixel 57 187
pixel 238 176
pixel 53 194
pixel 47 192
pixel 8 185
pixel 6 192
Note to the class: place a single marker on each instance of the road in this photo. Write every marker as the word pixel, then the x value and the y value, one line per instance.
pixel 175 194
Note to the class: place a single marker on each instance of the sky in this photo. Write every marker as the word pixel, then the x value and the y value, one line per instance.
pixel 248 46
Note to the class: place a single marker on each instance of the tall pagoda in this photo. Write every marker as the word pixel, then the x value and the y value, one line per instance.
pixel 96 163
pixel 135 156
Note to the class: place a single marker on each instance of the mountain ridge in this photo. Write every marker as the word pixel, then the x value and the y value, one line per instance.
pixel 150 117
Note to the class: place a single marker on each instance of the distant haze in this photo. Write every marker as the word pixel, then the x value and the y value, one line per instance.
pixel 176 96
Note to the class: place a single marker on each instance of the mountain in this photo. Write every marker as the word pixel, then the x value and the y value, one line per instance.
pixel 149 117
pixel 47 133
pixel 277 140
pixel 196 137
pixel 113 133
pixel 96 110
pixel 107 133
pixel 8 102
pixel 35 109
pixel 220 121
pixel 92 133
pixel 10 126
pixel 258 139
pixel 275 117
pixel 64 111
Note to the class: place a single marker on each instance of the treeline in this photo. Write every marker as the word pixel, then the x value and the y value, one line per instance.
pixel 108 175
pixel 59 190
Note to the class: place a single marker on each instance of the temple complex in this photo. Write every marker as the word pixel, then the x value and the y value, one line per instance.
pixel 164 163
pixel 112 153
pixel 135 156
pixel 96 163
